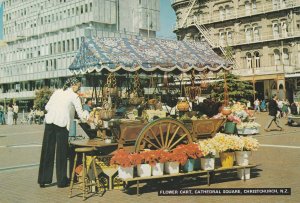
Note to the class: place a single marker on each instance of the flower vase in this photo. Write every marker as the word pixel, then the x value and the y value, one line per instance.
pixel 242 158
pixel 189 165
pixel 230 127
pixel 172 167
pixel 197 164
pixel 144 170
pixel 125 172
pixel 208 164
pixel 158 169
pixel 227 159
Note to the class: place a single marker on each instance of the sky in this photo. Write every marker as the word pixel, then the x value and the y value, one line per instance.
pixel 167 20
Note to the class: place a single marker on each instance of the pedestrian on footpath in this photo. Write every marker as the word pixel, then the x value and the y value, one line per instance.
pixel 60 114
pixel 2 120
pixel 273 109
pixel 16 111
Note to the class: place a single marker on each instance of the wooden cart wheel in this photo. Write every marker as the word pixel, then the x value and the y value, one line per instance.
pixel 165 133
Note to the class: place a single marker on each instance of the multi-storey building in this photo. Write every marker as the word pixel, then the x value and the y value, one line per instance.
pixel 264 36
pixel 42 37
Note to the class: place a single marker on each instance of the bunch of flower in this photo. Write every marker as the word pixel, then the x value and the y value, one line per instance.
pixel 252 125
pixel 191 150
pixel 154 156
pixel 237 107
pixel 176 157
pixel 250 144
pixel 122 158
pixel 233 118
pixel 227 143
pixel 243 115
pixel 208 148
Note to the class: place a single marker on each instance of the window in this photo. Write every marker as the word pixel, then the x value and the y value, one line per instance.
pixel 284 32
pixel 227 12
pixel 248 60
pixel 256 33
pixel 221 37
pixel 248 32
pixel 254 8
pixel 276 4
pixel 286 58
pixel 86 8
pixel 276 57
pixel 81 9
pixel 91 7
pixel 257 59
pixel 275 29
pixel 229 36
pixel 222 13
pixel 247 8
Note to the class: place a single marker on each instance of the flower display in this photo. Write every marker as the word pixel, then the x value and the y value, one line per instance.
pixel 250 144
pixel 176 157
pixel 234 118
pixel 208 148
pixel 227 143
pixel 191 150
pixel 122 158
pixel 252 125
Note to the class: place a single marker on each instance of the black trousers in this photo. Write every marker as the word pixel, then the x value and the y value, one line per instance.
pixel 54 136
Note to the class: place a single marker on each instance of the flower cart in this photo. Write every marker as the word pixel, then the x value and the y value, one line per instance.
pixel 121 59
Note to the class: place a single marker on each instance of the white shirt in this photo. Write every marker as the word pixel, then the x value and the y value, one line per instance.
pixel 61 108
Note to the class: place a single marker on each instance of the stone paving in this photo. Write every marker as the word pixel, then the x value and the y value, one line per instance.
pixel 279 158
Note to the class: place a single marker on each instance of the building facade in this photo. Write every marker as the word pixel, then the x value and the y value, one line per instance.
pixel 262 35
pixel 42 37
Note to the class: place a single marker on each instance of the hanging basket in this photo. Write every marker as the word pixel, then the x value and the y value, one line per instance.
pixel 110 91
pixel 183 106
pixel 136 100
pixel 106 114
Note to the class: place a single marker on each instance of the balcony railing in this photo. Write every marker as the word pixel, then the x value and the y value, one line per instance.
pixel 280 69
pixel 18 95
pixel 261 9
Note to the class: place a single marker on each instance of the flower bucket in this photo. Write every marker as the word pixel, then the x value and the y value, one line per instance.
pixel 230 128
pixel 208 163
pixel 189 165
pixel 240 173
pixel 242 157
pixel 144 170
pixel 197 164
pixel 158 169
pixel 125 172
pixel 227 159
pixel 172 167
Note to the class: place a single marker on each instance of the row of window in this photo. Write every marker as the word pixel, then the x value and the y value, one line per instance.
pixel 252 33
pixel 18 25
pixel 58 47
pixel 278 58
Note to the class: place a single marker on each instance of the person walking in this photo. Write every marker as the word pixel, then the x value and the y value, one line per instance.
pixel 2 115
pixel 273 109
pixel 10 115
pixel 60 114
pixel 16 111
pixel 256 105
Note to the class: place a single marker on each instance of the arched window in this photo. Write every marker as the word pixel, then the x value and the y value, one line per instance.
pixel 222 37
pixel 256 33
pixel 275 28
pixel 227 12
pixel 276 57
pixel 286 57
pixel 254 8
pixel 248 32
pixel 257 59
pixel 222 13
pixel 248 60
pixel 229 36
pixel 283 26
pixel 247 8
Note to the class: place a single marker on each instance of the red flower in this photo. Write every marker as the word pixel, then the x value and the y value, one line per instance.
pixel 191 150
pixel 122 158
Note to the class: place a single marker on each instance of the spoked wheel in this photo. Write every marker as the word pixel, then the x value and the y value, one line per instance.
pixel 165 133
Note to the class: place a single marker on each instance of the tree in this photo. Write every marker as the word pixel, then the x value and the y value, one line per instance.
pixel 237 90
pixel 42 97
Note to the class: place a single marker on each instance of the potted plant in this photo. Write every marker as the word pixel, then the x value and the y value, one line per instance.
pixel 226 145
pixel 125 163
pixel 230 125
pixel 208 151
pixel 143 168
pixel 156 158
pixel 192 151
pixel 173 159
pixel 249 144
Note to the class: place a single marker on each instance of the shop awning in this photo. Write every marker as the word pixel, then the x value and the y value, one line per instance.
pixel 148 54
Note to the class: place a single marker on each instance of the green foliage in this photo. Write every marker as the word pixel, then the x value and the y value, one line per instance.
pixel 237 90
pixel 42 97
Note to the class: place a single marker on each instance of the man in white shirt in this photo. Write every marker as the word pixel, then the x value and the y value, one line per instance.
pixel 60 114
